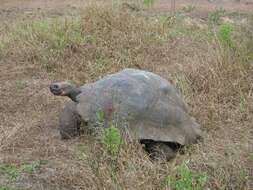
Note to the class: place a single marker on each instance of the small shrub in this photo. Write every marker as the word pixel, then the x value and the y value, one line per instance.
pixel 224 35
pixel 186 179
pixel 112 140
pixel 111 136
pixel 214 16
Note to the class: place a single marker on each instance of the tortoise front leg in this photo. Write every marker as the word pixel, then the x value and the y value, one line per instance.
pixel 69 122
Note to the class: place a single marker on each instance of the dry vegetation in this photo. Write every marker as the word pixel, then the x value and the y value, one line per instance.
pixel 209 62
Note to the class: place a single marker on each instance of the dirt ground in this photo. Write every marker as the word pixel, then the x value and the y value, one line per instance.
pixel 229 5
pixel 27 105
pixel 202 7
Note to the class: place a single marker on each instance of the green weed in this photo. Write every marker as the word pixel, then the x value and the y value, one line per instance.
pixel 6 187
pixel 11 170
pixel 112 140
pixel 30 167
pixel 186 179
pixel 110 135
pixel 214 16
pixel 224 35
pixel 14 171
pixel 100 115
pixel 148 3
pixel 90 39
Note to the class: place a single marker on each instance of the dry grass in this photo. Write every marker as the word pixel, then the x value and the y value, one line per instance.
pixel 216 82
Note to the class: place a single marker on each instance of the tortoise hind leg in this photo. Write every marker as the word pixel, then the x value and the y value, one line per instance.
pixel 160 151
pixel 69 122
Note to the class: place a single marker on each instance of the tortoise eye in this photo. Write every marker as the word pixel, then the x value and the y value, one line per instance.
pixel 55 86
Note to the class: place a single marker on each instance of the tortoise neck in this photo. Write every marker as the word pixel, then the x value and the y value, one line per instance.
pixel 74 93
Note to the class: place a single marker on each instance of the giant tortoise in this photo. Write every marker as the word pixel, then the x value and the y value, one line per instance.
pixel 147 105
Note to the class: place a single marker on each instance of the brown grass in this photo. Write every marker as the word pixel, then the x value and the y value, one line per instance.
pixel 216 82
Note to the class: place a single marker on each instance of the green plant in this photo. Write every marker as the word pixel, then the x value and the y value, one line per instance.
pixel 148 3
pixel 100 115
pixel 5 187
pixel 224 35
pixel 186 179
pixel 243 103
pixel 111 136
pixel 90 38
pixel 112 140
pixel 11 170
pixel 14 171
pixel 30 167
pixel 214 16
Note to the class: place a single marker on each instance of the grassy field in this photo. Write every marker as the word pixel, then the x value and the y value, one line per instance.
pixel 209 60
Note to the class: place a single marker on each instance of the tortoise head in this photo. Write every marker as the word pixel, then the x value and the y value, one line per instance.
pixel 65 89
